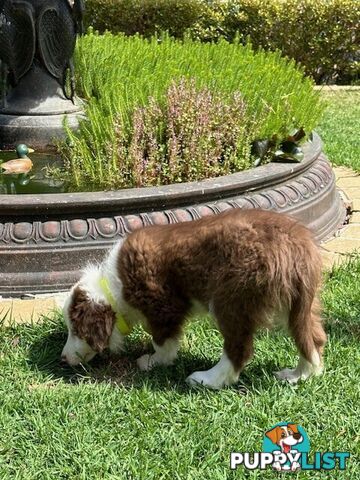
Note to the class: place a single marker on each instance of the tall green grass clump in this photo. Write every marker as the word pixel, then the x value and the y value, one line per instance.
pixel 161 111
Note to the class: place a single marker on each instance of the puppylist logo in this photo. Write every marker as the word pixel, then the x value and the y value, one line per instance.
pixel 286 448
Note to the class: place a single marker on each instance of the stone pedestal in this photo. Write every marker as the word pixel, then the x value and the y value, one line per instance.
pixel 35 112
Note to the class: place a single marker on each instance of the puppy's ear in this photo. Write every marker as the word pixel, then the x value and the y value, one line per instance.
pixel 293 427
pixel 274 434
pixel 91 321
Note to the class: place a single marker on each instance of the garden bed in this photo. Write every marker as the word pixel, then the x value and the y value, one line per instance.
pixel 46 239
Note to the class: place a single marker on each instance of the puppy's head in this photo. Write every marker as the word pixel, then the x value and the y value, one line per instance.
pixel 285 436
pixel 90 324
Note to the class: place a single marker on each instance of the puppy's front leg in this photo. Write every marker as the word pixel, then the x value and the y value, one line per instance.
pixel 165 354
pixel 238 350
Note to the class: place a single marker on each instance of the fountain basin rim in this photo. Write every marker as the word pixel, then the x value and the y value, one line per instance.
pixel 165 196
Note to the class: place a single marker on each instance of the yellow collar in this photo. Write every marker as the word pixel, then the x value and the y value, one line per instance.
pixel 121 322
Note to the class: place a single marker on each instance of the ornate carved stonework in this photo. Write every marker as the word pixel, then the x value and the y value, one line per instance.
pixel 45 240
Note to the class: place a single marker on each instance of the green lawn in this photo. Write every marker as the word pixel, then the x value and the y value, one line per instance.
pixel 340 128
pixel 111 421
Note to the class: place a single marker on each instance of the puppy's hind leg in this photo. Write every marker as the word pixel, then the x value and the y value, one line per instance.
pixel 310 338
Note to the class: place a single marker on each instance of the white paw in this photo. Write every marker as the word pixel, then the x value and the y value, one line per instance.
pixel 145 363
pixel 290 375
pixel 318 371
pixel 295 466
pixel 276 466
pixel 202 378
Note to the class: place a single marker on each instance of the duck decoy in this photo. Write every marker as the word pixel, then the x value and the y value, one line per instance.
pixel 20 165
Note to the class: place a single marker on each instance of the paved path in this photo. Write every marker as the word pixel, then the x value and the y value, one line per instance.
pixel 334 251
pixel 347 239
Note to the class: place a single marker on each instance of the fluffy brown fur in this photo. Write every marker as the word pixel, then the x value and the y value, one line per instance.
pixel 247 264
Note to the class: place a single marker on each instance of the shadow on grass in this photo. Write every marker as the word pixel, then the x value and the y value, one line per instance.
pixel 44 356
pixel 45 349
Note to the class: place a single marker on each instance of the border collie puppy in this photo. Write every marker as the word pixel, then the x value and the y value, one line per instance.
pixel 248 268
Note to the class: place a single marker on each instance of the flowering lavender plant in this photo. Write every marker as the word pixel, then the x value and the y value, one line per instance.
pixel 193 134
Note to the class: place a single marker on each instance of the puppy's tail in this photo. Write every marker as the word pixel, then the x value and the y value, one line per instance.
pixel 305 322
pixel 305 325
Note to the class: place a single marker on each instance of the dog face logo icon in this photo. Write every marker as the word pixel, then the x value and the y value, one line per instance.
pixel 286 441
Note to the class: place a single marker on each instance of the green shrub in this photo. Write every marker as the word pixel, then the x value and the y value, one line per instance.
pixel 322 35
pixel 127 79
pixel 145 17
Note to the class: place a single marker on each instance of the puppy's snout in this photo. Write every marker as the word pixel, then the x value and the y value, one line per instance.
pixel 297 435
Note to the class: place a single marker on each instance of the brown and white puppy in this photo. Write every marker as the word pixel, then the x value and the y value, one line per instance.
pixel 246 267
